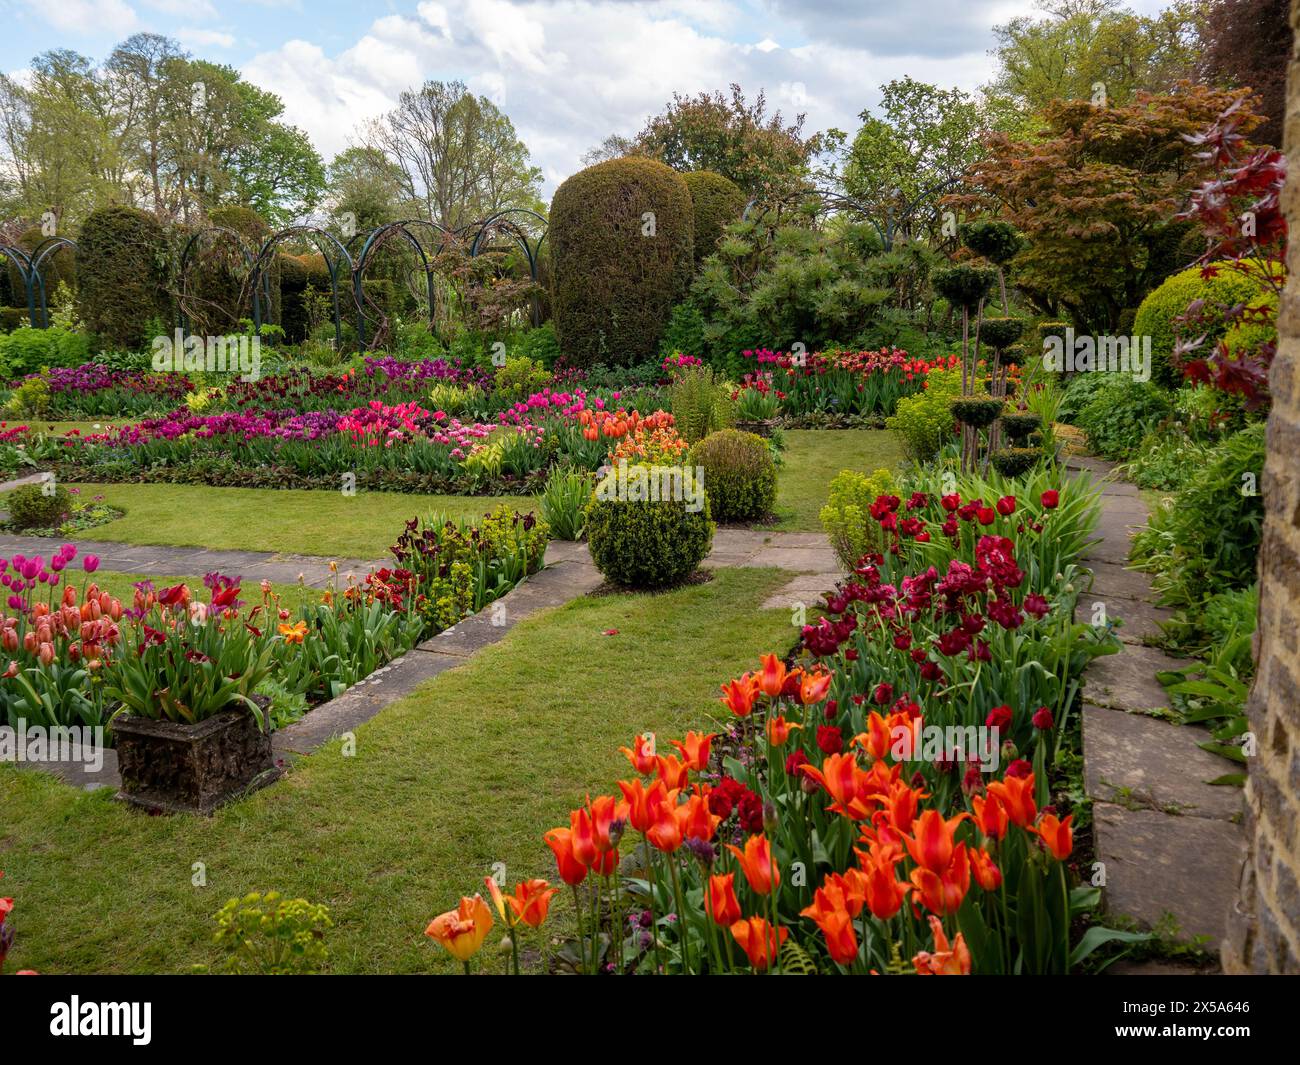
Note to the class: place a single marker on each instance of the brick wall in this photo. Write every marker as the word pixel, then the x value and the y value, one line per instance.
pixel 1264 924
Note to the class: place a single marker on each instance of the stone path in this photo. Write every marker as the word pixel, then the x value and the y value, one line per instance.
pixel 1170 842
pixel 569 573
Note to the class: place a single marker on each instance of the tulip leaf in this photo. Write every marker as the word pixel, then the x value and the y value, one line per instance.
pixel 1099 936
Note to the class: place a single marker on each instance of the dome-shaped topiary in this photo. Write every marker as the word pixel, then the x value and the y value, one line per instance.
pixel 979 412
pixel 124 265
pixel 997 241
pixel 37 506
pixel 622 236
pixel 1155 317
pixel 963 285
pixel 1001 333
pixel 739 475
pixel 641 543
pixel 716 202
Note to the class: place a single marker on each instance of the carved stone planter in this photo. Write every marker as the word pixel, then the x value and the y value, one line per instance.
pixel 762 427
pixel 171 767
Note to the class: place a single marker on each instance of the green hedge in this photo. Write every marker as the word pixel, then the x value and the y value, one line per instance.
pixel 124 271
pixel 716 202
pixel 615 284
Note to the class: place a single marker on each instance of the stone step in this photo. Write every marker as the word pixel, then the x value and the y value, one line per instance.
pixel 1127 680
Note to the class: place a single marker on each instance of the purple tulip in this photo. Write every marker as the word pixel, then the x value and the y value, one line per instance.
pixel 90 563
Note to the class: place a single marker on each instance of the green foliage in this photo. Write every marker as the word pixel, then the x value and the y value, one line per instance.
pixel 1155 317
pixel 1019 424
pixel 739 475
pixel 539 344
pixel 217 293
pixel 1120 414
pixel 33 506
pixel 977 411
pixel 963 285
pixel 684 332
pixel 847 518
pixel 123 270
pixel 1016 461
pixel 30 399
pixel 622 240
pixel 700 404
pixel 267 935
pixel 716 202
pixel 520 378
pixel 923 423
pixel 564 502
pixel 1206 538
pixel 27 350
pixel 641 544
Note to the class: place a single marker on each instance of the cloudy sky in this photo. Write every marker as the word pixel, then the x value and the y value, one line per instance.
pixel 568 72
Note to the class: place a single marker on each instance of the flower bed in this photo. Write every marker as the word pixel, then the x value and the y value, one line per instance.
pixel 78 655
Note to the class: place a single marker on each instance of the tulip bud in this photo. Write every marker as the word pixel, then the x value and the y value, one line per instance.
pixel 506 946
pixel 46 653
pixel 770 821
pixel 1009 751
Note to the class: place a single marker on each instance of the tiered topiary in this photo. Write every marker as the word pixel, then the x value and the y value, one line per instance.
pixel 124 269
pixel 1015 461
pixel 645 544
pixel 966 288
pixel 622 236
pixel 716 202
pixel 998 242
pixel 739 475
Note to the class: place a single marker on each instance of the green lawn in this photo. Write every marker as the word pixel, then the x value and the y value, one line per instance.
pixel 812 459
pixel 287 521
pixel 469 770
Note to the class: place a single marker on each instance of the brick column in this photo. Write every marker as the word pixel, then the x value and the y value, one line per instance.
pixel 1264 924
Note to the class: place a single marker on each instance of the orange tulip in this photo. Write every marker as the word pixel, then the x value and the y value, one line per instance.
pixel 582 836
pixel 528 905
pixel 1016 794
pixel 695 749
pixel 757 865
pixel 560 840
pixel 943 892
pixel 1057 834
pixel 987 874
pixel 884 891
pixel 991 816
pixel 830 912
pixel 771 678
pixel 643 803
pixel 665 833
pixel 901 805
pixel 641 754
pixel 673 772
pixel 738 695
pixel 813 687
pixel 461 931
pixel 759 940
pixel 696 820
pixel 946 960
pixel 778 730
pixel 932 844
pixel 720 901
pixel 608 815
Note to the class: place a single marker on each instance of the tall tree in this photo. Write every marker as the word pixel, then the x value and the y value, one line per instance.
pixel 457 153
pixel 1093 50
pixel 737 139
pixel 1247 44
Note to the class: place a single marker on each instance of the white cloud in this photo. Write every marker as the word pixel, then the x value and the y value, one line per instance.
pixel 200 38
pixel 187 9
pixel 86 16
pixel 570 72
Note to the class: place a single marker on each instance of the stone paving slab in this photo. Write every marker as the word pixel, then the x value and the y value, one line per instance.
pixel 79 776
pixel 796 559
pixel 1157 864
pixel 361 702
pixel 1114 581
pixel 808 589
pixel 1141 619
pixel 1134 760
pixel 1127 680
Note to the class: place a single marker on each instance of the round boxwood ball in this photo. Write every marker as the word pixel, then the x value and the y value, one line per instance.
pixel 33 506
pixel 739 475
pixel 642 543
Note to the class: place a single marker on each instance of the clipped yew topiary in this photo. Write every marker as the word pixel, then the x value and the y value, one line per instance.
pixel 1015 461
pixel 1155 317
pixel 36 506
pixel 1001 333
pixel 739 474
pixel 622 236
pixel 640 543
pixel 716 202
pixel 124 269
